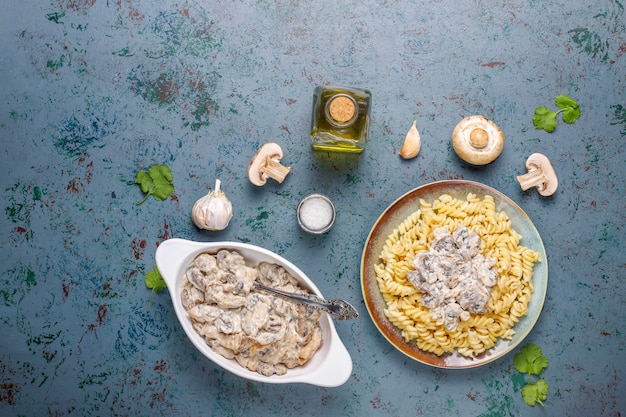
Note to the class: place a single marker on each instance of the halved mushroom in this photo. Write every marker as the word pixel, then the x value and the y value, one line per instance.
pixel 266 164
pixel 540 175
pixel 477 140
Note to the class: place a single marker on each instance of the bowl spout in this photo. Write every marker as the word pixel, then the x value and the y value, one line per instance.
pixel 171 257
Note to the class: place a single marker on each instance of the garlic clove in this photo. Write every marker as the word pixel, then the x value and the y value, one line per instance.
pixel 412 143
pixel 213 211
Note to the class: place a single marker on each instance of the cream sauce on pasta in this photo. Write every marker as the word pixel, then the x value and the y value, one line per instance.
pixel 454 276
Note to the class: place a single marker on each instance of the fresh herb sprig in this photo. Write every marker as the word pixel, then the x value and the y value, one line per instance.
pixel 156 181
pixel 545 118
pixel 530 361
pixel 155 282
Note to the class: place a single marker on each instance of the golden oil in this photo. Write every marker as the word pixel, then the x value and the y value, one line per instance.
pixel 340 119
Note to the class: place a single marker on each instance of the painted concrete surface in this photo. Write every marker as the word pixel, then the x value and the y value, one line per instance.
pixel 94 91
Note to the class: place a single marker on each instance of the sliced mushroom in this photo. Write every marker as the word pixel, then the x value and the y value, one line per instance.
pixel 540 175
pixel 477 140
pixel 266 164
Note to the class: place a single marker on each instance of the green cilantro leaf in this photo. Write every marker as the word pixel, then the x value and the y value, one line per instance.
pixel 530 360
pixel 162 178
pixel 157 181
pixel 563 102
pixel 143 179
pixel 569 107
pixel 155 282
pixel 570 115
pixel 535 392
pixel 545 119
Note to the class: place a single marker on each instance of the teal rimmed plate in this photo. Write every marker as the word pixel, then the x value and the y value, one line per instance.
pixel 394 215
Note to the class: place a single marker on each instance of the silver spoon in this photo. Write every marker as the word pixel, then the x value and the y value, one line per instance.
pixel 338 309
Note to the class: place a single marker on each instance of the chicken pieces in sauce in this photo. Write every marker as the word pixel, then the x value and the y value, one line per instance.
pixel 263 333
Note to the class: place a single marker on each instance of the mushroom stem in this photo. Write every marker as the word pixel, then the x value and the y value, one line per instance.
pixel 479 138
pixel 266 164
pixel 533 178
pixel 274 169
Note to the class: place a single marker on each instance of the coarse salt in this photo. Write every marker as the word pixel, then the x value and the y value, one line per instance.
pixel 316 213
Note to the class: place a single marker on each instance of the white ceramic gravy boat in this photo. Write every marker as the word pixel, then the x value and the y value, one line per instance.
pixel 331 366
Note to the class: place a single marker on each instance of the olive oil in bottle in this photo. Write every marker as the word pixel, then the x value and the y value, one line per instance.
pixel 340 119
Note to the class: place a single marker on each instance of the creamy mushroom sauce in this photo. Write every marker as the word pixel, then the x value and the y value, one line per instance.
pixel 262 332
pixel 454 276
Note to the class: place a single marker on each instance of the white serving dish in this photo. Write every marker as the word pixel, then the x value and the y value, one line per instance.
pixel 331 365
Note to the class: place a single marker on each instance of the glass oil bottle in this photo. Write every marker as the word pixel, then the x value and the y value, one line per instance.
pixel 340 119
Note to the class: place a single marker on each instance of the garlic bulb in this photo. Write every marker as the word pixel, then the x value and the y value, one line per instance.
pixel 213 211
pixel 412 143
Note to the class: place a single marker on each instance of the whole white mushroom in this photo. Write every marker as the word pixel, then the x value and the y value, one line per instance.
pixel 477 140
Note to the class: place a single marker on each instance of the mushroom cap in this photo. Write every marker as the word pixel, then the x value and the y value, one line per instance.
pixel 477 140
pixel 270 150
pixel 538 161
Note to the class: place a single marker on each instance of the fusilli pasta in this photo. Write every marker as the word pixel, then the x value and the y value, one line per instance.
pixel 508 300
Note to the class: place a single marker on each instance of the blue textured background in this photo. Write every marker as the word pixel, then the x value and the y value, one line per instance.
pixel 93 91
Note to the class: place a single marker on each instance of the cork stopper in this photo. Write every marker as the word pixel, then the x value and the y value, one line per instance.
pixel 341 109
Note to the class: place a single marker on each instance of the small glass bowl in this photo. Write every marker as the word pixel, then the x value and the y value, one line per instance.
pixel 316 214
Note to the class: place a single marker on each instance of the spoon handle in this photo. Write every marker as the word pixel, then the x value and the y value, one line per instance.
pixel 338 309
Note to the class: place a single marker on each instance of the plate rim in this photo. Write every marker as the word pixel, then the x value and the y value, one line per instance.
pixel 502 347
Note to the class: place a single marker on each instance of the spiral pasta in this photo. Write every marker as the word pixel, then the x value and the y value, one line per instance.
pixel 508 300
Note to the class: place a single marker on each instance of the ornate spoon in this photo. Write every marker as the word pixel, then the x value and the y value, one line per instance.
pixel 338 309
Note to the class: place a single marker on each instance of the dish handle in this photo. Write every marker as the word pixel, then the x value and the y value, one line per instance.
pixel 170 256
pixel 336 367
